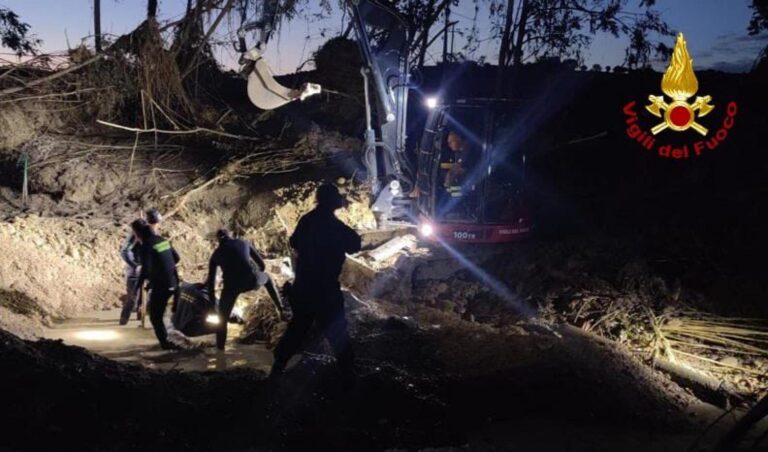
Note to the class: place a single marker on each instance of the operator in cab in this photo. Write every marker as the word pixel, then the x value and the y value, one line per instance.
pixel 461 159
pixel 458 161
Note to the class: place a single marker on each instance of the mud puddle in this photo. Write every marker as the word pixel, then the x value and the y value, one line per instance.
pixel 99 332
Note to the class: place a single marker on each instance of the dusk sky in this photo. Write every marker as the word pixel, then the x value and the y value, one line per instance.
pixel 715 30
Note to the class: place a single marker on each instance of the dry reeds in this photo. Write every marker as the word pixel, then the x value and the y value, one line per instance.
pixel 726 348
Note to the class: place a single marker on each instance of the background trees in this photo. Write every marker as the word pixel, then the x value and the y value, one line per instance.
pixel 14 34
pixel 536 29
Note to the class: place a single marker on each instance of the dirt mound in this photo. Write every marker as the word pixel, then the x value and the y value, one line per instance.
pixel 269 220
pixel 606 286
pixel 425 380
pixel 21 122
pixel 60 265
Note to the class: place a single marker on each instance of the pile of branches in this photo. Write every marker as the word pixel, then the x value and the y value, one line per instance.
pixel 147 79
pixel 729 352
pixel 262 159
pixel 157 82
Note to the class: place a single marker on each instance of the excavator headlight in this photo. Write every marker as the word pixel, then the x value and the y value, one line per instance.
pixel 431 102
pixel 426 230
pixel 394 188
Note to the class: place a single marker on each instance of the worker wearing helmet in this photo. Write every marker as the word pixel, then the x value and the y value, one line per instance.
pixel 320 242
pixel 159 261
pixel 242 270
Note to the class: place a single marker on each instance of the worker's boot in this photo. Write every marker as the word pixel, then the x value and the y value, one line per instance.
pixel 125 315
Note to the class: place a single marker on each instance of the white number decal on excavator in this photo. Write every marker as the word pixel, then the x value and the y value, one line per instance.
pixel 464 235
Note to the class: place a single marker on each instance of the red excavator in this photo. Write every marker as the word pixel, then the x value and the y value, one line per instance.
pixel 468 184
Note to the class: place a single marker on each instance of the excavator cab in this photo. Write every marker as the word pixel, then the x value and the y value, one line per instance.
pixel 471 175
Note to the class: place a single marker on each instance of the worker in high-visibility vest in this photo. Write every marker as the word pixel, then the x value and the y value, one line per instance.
pixel 158 267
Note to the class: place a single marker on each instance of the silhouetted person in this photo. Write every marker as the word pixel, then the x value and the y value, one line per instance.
pixel 131 256
pixel 242 270
pixel 320 242
pixel 158 266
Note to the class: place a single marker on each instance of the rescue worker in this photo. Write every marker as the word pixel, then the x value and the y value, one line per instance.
pixel 130 254
pixel 458 200
pixel 461 159
pixel 158 259
pixel 237 259
pixel 320 242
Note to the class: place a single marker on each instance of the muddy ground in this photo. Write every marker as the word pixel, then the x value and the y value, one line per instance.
pixel 424 381
pixel 444 357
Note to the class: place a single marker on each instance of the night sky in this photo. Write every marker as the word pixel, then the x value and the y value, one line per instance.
pixel 715 30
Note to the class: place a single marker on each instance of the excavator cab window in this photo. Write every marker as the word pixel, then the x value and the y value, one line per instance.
pixel 461 168
pixel 505 180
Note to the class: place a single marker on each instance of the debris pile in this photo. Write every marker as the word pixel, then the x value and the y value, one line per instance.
pixel 269 222
pixel 593 286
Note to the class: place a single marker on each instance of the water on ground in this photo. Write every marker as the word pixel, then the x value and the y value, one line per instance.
pixel 100 332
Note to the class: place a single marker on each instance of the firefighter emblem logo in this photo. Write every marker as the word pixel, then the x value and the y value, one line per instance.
pixel 680 84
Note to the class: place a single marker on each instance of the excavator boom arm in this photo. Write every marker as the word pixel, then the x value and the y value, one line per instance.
pixel 382 36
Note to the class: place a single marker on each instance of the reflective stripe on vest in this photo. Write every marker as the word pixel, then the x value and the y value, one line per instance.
pixel 165 245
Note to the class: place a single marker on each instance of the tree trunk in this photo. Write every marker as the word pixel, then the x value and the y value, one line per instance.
pixel 97 25
pixel 517 53
pixel 224 10
pixel 509 17
pixel 151 8
pixel 445 36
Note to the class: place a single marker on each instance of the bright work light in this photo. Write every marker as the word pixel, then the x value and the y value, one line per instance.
pixel 426 229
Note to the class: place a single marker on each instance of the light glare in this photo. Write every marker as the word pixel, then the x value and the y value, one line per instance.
pixel 97 335
pixel 431 102
pixel 426 229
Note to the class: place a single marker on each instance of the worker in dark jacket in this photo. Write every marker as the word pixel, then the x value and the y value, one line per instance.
pixel 129 251
pixel 131 256
pixel 320 242
pixel 242 270
pixel 158 266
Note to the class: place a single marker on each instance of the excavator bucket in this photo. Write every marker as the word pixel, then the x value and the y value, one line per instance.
pixel 267 93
